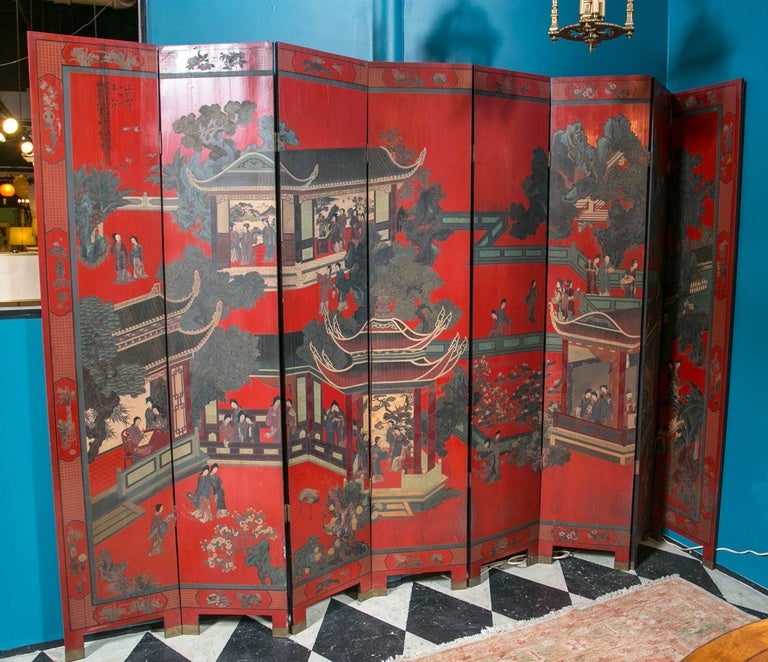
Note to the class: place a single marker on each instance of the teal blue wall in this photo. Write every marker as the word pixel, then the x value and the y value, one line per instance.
pixel 512 34
pixel 338 26
pixel 508 34
pixel 712 42
pixel 30 610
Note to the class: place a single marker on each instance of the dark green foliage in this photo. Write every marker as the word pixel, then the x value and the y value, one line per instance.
pixel 105 377
pixel 554 456
pixel 525 221
pixel 208 129
pixel 234 292
pixel 614 171
pixel 259 558
pixel 229 357
pixel 224 363
pixel 97 193
pixel 452 408
pixel 426 225
pixel 405 283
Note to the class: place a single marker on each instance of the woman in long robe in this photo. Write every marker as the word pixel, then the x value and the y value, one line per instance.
pixel 218 492
pixel 201 498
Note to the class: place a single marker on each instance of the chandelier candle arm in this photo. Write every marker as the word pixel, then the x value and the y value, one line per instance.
pixel 592 9
pixel 553 27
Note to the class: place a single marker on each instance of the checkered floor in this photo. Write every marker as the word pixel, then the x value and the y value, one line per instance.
pixel 416 615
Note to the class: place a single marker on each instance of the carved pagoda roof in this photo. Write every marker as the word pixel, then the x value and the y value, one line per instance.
pixel 704 254
pixel 153 307
pixel 619 329
pixel 400 361
pixel 155 351
pixel 381 373
pixel 151 320
pixel 307 170
pixel 385 335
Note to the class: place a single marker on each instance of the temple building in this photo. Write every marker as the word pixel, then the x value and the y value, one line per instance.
pixel 308 179
pixel 397 368
pixel 598 404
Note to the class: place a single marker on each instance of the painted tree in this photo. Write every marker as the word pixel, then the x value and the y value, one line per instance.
pixel 230 355
pixel 97 193
pixel 687 321
pixel 105 375
pixel 525 220
pixel 426 226
pixel 208 134
pixel 402 284
pixel 683 444
pixel 451 408
pixel 348 512
pixel 210 128
pixel 613 171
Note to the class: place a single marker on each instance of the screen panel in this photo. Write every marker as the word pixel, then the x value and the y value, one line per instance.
pixel 420 126
pixel 220 231
pixel 323 188
pixel 509 214
pixel 705 157
pixel 95 106
pixel 596 285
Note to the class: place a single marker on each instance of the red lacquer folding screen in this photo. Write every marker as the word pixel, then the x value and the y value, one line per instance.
pixel 705 154
pixel 219 239
pixel 509 230
pixel 420 122
pixel 324 205
pixel 104 324
pixel 597 273
pixel 348 321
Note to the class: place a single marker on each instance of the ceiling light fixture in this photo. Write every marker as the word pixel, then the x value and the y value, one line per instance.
pixel 592 28
pixel 10 125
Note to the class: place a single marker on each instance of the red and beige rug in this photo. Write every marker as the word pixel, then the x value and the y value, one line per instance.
pixel 659 622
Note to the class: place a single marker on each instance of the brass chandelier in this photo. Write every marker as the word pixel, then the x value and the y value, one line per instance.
pixel 592 27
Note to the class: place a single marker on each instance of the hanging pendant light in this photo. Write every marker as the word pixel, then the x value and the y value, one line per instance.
pixel 592 28
pixel 10 125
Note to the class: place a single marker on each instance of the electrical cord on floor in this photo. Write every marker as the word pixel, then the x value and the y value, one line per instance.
pixel 717 549
pixel 515 560
pixel 522 559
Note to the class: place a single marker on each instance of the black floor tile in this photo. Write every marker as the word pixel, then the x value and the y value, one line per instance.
pixel 349 635
pixel 254 641
pixel 592 580
pixel 523 599
pixel 656 563
pixel 439 618
pixel 151 648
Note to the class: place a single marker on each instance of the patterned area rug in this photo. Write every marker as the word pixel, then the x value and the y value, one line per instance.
pixel 659 622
